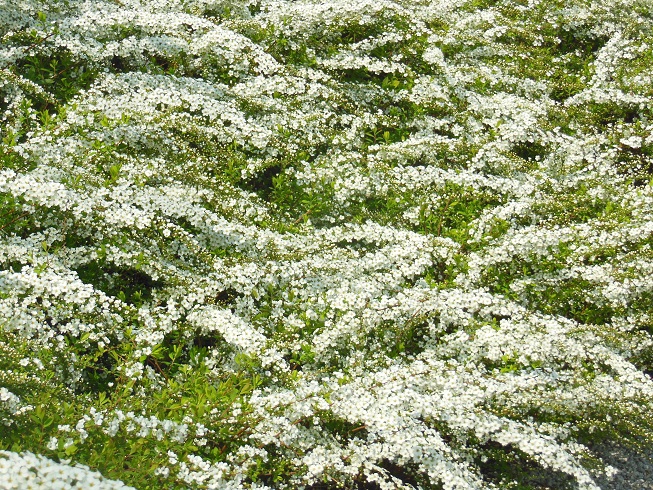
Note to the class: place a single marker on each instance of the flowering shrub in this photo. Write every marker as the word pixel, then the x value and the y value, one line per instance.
pixel 301 244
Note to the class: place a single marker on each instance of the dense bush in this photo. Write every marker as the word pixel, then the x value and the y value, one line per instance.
pixel 343 244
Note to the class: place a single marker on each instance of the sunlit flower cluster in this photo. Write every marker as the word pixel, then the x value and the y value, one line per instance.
pixel 30 471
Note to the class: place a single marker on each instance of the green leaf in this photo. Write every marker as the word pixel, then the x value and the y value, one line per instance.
pixel 70 450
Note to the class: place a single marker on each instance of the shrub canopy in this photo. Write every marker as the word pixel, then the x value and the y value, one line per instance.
pixel 324 244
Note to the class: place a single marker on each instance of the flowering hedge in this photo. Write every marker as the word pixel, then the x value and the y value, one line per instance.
pixel 324 244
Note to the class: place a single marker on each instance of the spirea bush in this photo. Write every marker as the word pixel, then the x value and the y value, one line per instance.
pixel 324 244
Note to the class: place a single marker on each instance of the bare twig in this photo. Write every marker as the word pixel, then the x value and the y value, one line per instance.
pixel 34 44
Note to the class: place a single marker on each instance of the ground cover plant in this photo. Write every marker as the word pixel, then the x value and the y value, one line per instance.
pixel 324 244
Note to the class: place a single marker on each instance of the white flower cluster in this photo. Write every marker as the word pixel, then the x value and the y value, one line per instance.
pixel 29 471
pixel 11 405
pixel 137 424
